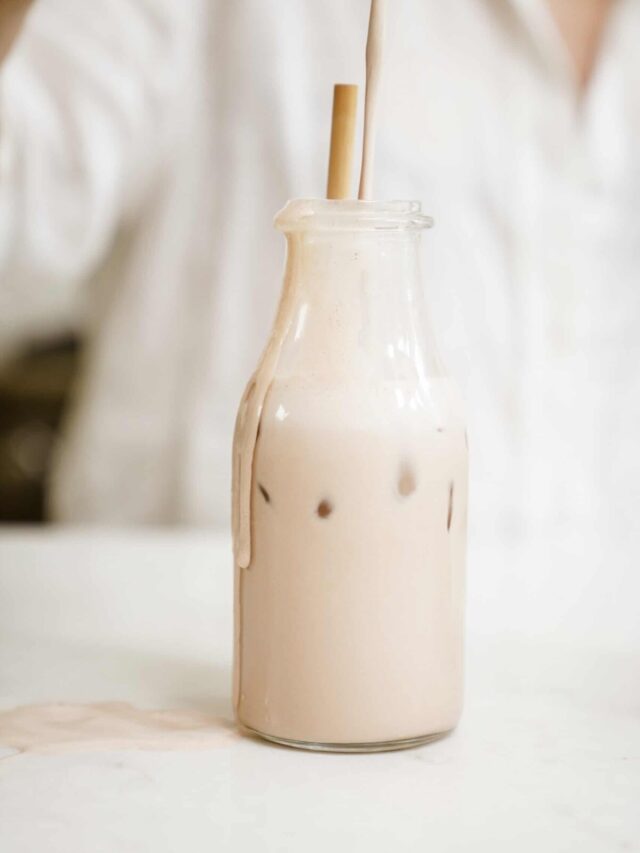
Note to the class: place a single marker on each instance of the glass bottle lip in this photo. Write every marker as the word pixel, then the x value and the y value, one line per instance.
pixel 322 214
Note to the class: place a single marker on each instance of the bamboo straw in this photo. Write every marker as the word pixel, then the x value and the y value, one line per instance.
pixel 343 126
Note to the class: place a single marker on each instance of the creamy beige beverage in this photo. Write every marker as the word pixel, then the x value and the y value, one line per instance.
pixel 350 518
pixel 352 607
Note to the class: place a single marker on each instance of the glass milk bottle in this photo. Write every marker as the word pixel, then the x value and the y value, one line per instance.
pixel 350 496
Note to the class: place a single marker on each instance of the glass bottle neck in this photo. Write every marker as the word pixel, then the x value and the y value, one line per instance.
pixel 357 307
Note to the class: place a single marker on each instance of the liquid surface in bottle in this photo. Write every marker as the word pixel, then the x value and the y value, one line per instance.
pixel 352 607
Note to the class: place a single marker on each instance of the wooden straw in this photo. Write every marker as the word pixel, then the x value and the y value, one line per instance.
pixel 374 58
pixel 343 126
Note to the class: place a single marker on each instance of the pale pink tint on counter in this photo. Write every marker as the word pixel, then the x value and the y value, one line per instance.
pixel 67 727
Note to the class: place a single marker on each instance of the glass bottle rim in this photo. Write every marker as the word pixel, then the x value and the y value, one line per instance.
pixel 322 214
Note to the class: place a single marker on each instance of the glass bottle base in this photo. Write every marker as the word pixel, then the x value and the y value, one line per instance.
pixel 376 746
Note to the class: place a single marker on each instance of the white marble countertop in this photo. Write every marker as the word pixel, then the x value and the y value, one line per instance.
pixel 545 759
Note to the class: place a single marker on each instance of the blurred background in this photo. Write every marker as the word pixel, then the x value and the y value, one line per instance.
pixel 34 390
pixel 145 147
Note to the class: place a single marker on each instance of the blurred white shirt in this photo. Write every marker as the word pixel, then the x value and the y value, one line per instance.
pixel 145 147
